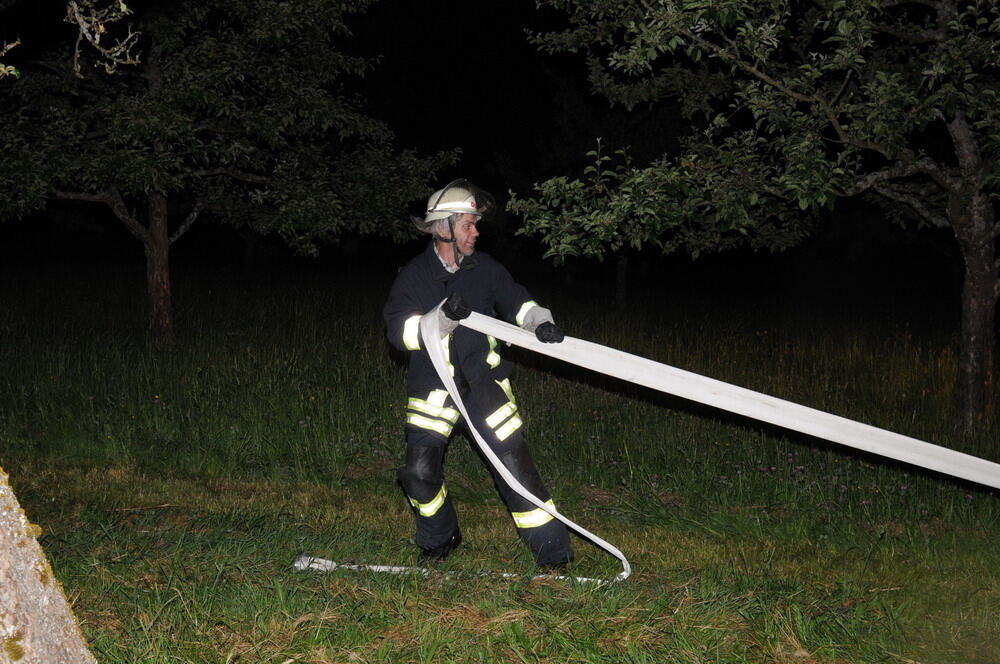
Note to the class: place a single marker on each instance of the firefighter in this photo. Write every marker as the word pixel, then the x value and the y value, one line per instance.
pixel 451 268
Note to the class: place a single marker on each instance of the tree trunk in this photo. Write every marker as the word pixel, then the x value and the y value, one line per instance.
pixel 37 625
pixel 161 310
pixel 974 389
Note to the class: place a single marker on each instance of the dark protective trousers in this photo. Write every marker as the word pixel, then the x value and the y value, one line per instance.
pixel 493 411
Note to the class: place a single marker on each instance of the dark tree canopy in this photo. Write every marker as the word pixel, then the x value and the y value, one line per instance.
pixel 792 105
pixel 243 111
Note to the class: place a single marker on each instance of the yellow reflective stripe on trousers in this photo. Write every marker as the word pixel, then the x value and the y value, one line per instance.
pixel 523 311
pixel 449 414
pixel 500 414
pixel 509 408
pixel 437 397
pixel 493 357
pixel 534 518
pixel 431 508
pixel 440 426
pixel 507 389
pixel 411 333
pixel 512 425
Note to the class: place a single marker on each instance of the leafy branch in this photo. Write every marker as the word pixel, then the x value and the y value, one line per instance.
pixel 7 70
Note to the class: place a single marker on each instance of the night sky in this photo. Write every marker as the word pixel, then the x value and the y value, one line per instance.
pixel 464 74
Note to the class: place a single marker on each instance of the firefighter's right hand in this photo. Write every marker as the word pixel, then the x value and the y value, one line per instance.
pixel 455 307
pixel 548 333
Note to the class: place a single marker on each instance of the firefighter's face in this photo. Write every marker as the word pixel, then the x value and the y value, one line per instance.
pixel 466 233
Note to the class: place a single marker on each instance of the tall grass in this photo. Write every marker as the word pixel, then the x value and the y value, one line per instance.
pixel 176 488
pixel 260 382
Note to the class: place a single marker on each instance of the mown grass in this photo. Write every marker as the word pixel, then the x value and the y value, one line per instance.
pixel 175 490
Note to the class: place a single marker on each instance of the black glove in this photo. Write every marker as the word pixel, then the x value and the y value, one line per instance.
pixel 548 333
pixel 455 308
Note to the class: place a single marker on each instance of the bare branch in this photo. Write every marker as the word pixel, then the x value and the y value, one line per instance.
pixel 816 100
pixel 903 169
pixel 747 67
pixel 190 219
pixel 892 4
pixel 113 199
pixel 912 36
pixel 843 87
pixel 966 147
pixel 91 23
pixel 232 173
pixel 914 203
pixel 121 211
pixel 80 196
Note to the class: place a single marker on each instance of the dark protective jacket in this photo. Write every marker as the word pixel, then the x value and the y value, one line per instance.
pixel 484 284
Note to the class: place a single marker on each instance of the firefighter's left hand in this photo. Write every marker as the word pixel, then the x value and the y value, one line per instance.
pixel 455 307
pixel 548 333
pixel 452 310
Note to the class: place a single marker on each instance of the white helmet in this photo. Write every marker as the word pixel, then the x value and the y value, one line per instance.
pixel 459 197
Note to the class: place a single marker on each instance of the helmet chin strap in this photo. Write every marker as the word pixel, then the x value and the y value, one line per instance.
pixel 457 255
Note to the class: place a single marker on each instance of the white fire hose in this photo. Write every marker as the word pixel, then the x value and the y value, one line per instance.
pixel 746 402
pixel 430 332
pixel 670 380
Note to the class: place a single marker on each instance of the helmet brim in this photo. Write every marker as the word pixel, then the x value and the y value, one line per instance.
pixel 458 197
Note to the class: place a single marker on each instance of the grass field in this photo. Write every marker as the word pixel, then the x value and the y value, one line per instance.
pixel 175 490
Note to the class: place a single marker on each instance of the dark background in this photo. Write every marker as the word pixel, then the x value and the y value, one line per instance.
pixel 459 74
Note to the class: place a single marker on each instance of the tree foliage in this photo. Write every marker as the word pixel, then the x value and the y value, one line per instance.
pixel 793 104
pixel 241 108
pixel 617 206
pixel 5 69
pixel 245 111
